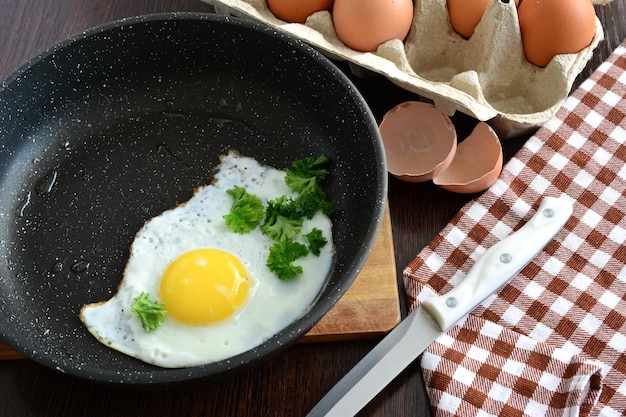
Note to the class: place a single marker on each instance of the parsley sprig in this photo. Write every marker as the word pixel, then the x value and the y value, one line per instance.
pixel 151 313
pixel 246 212
pixel 282 255
pixel 284 216
pixel 316 241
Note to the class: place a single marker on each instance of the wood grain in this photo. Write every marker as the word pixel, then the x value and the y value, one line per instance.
pixel 371 306
pixel 8 353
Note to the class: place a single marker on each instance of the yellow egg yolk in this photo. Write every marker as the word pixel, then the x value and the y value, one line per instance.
pixel 204 286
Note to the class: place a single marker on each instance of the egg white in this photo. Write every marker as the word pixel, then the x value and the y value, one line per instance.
pixel 271 306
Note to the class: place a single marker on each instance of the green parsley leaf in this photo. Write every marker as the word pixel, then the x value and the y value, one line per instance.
pixel 313 201
pixel 246 212
pixel 281 258
pixel 306 174
pixel 284 216
pixel 282 222
pixel 151 313
pixel 305 177
pixel 316 241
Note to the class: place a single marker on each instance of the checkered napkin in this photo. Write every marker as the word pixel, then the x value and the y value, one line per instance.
pixel 552 342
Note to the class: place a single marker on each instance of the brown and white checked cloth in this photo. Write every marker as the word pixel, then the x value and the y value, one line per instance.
pixel 552 342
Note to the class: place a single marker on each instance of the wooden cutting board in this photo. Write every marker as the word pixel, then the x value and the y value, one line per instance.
pixel 370 307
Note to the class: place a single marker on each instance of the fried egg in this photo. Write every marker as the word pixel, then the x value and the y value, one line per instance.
pixel 221 298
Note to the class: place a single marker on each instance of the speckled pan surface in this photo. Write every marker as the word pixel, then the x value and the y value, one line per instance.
pixel 117 124
pixel 486 77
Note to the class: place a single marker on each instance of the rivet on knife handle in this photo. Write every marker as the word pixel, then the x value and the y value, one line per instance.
pixel 499 263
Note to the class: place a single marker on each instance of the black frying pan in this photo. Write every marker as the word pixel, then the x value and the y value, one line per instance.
pixel 120 123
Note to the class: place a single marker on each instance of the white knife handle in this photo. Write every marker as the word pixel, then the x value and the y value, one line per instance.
pixel 500 263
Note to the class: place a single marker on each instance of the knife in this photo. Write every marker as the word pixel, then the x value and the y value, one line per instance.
pixel 435 316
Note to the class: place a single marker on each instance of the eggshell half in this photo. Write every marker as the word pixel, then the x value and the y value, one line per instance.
pixel 476 165
pixel 419 141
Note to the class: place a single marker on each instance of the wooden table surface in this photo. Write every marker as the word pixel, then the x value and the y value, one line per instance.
pixel 288 384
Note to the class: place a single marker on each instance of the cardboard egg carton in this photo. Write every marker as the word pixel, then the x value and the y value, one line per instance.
pixel 486 76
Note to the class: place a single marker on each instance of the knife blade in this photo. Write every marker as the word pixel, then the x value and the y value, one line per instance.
pixel 435 316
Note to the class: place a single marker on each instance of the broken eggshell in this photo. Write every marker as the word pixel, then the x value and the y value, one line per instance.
pixel 421 145
pixel 476 165
pixel 419 141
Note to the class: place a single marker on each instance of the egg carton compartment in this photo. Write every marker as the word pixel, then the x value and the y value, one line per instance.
pixel 486 76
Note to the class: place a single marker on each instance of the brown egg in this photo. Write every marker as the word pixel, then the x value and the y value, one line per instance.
pixel 552 27
pixel 477 163
pixel 466 14
pixel 419 141
pixel 296 11
pixel 364 24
